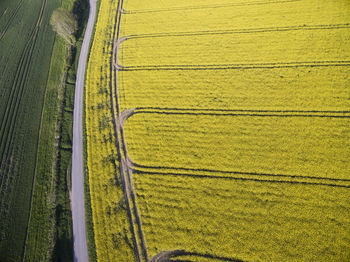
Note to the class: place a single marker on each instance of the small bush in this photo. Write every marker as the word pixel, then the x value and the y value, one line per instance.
pixel 64 24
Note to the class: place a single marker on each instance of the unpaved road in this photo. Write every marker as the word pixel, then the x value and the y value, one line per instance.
pixel 78 202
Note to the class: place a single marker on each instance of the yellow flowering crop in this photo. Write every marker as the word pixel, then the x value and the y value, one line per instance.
pixel 252 142
pixel 111 225
pixel 266 89
pixel 234 128
pixel 248 220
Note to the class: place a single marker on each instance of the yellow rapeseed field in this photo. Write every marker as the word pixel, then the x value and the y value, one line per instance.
pixel 252 221
pixel 216 15
pixel 233 130
pixel 111 224
pixel 265 89
pixel 289 144
pixel 238 48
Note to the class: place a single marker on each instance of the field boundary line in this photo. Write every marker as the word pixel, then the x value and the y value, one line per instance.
pixel 234 66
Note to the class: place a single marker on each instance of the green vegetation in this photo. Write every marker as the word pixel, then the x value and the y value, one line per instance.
pixel 61 159
pixel 40 240
pixel 25 50
pixel 36 132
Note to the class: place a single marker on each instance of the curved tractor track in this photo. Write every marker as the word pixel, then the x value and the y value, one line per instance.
pixel 166 256
pixel 126 165
pixel 140 249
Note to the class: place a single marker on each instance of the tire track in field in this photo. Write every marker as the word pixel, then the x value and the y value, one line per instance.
pixel 125 171
pixel 9 118
pixel 242 176
pixel 9 22
pixel 242 31
pixel 257 113
pixel 116 123
pixel 186 8
pixel 236 66
pixel 19 82
pixel 20 79
pixel 3 13
pixel 129 172
pixel 137 109
pixel 228 172
pixel 165 256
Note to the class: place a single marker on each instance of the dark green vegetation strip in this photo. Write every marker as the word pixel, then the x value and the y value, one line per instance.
pixel 36 105
pixel 25 53
pixel 46 196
